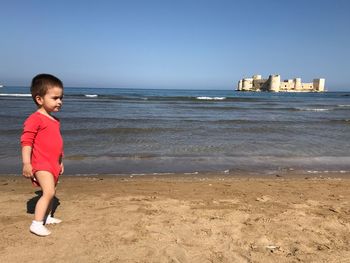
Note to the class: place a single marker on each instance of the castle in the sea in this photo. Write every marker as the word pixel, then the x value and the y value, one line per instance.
pixel 274 83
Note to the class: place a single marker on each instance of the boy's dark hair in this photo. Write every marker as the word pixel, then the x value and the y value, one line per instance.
pixel 42 82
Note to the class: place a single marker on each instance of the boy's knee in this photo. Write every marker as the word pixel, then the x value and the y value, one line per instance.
pixel 49 193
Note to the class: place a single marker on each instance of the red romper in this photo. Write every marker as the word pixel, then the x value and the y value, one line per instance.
pixel 43 134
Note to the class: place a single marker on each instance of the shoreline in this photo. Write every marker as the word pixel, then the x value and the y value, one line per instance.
pixel 285 174
pixel 211 218
pixel 321 166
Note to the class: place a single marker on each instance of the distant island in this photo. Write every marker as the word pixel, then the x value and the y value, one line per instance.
pixel 274 84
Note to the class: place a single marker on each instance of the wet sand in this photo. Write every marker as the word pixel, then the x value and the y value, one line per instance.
pixel 182 218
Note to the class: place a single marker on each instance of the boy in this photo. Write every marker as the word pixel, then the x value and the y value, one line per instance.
pixel 42 148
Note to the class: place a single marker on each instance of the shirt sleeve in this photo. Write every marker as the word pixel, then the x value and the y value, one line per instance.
pixel 30 130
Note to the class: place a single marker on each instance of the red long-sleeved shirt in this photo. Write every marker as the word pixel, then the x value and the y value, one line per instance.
pixel 43 134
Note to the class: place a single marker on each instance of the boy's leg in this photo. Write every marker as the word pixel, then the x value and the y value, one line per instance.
pixel 47 184
pixel 48 217
pixel 48 187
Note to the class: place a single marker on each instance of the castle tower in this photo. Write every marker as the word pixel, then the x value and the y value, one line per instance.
pixel 274 83
pixel 319 84
pixel 297 83
pixel 247 84
pixel 240 85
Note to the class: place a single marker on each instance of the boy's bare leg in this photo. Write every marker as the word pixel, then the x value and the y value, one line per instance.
pixel 48 211
pixel 48 216
pixel 48 187
pixel 47 184
pixel 50 207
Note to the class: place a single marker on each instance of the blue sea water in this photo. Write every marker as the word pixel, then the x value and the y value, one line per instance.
pixel 136 131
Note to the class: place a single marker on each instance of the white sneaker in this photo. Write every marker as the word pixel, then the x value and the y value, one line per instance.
pixel 39 229
pixel 51 220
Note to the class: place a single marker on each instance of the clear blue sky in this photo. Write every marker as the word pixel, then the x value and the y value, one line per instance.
pixel 174 44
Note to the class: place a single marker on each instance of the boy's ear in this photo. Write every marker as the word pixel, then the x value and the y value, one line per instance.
pixel 38 99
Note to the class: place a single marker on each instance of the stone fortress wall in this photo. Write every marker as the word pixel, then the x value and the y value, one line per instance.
pixel 274 84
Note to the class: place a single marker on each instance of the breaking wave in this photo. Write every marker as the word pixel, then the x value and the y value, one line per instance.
pixel 15 95
pixel 312 109
pixel 210 98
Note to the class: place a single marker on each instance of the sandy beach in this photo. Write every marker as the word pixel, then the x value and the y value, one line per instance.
pixel 182 218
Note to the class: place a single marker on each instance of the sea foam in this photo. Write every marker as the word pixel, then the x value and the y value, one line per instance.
pixel 15 95
pixel 312 109
pixel 210 98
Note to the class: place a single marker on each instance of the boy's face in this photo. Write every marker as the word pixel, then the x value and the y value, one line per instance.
pixel 52 100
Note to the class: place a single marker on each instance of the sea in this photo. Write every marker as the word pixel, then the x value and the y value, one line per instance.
pixel 162 131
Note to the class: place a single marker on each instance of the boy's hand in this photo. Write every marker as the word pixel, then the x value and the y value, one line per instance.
pixel 62 168
pixel 27 170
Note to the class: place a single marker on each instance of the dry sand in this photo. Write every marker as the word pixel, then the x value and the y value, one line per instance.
pixel 207 218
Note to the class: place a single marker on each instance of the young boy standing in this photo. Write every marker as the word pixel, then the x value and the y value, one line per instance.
pixel 42 148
